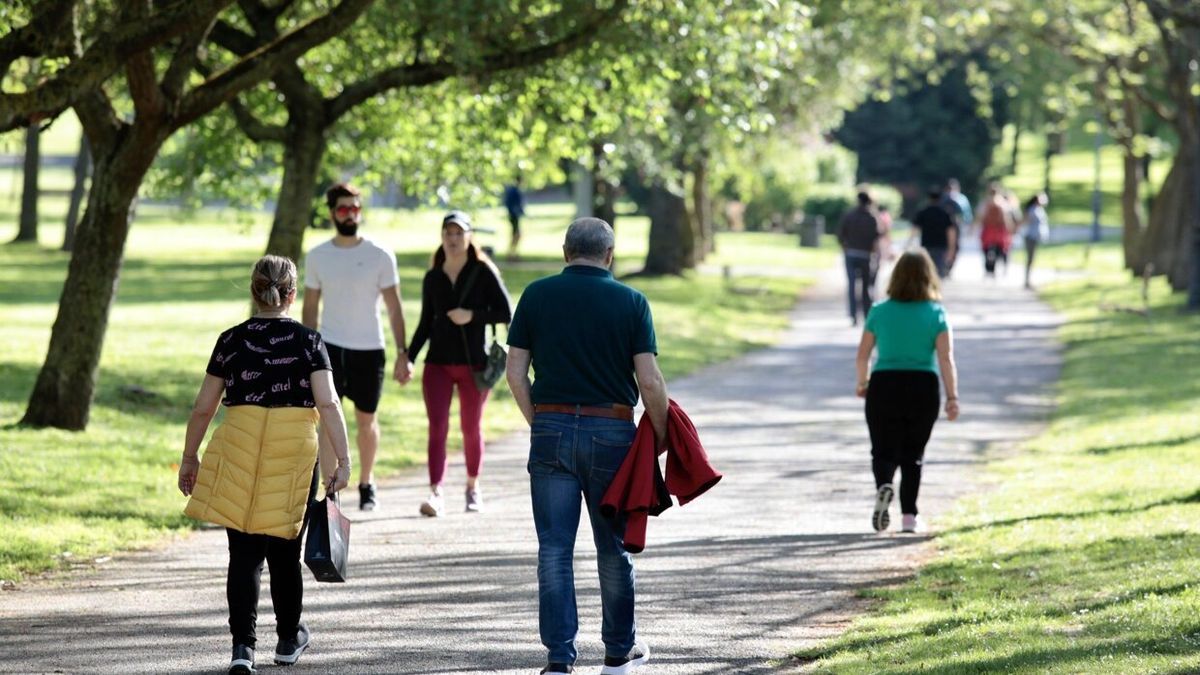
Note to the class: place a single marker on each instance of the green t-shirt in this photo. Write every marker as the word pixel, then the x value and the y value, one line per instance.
pixel 582 329
pixel 906 333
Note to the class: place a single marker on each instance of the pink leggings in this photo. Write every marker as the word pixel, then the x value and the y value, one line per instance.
pixel 438 386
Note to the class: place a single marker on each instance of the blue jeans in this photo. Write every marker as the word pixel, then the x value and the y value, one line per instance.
pixel 938 254
pixel 862 269
pixel 570 456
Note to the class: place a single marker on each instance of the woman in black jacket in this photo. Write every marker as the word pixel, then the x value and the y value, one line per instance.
pixel 462 293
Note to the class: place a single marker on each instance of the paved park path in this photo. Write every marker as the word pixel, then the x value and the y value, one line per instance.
pixel 768 561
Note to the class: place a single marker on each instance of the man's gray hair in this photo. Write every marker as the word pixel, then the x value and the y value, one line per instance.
pixel 589 238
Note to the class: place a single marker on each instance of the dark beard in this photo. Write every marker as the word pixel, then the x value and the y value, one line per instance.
pixel 347 229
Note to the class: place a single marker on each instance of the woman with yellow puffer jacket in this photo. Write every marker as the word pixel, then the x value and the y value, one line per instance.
pixel 257 473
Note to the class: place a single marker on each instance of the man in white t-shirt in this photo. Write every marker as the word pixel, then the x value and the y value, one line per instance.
pixel 350 273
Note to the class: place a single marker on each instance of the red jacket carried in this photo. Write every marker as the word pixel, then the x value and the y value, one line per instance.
pixel 639 489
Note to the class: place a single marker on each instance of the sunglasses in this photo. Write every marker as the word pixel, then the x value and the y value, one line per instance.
pixel 347 210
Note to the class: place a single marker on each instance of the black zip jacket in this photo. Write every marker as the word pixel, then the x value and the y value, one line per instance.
pixel 486 298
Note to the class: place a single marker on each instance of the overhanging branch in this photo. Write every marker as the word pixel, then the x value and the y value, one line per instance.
pixel 52 32
pixel 259 64
pixel 255 129
pixel 184 60
pixel 420 74
pixel 103 57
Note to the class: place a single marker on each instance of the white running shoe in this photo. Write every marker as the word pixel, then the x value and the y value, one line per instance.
pixel 883 499
pixel 432 507
pixel 474 501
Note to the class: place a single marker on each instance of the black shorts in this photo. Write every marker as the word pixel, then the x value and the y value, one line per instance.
pixel 358 375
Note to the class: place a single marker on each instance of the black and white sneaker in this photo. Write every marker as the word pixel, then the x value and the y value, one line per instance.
pixel 622 665
pixel 243 661
pixel 288 651
pixel 883 499
pixel 366 497
pixel 558 668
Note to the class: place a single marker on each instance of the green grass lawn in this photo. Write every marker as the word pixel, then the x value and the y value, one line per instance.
pixel 1080 556
pixel 1072 175
pixel 70 497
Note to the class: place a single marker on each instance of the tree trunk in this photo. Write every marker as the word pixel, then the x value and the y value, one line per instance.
pixel 62 395
pixel 1193 297
pixel 1173 235
pixel 1131 212
pixel 302 156
pixel 582 184
pixel 1012 163
pixel 83 166
pixel 1132 217
pixel 670 232
pixel 702 210
pixel 604 191
pixel 28 228
pixel 1173 226
pixel 1054 142
pixel 604 200
pixel 1168 238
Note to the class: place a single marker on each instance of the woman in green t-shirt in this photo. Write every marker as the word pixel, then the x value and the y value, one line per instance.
pixel 914 344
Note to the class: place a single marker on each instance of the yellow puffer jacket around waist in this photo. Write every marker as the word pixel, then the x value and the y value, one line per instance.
pixel 256 471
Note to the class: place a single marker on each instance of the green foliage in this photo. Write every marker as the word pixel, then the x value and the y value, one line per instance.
pixel 671 82
pixel 112 487
pixel 1080 555
pixel 195 168
pixel 788 169
pixel 829 208
pixel 777 205
pixel 449 126
pixel 929 133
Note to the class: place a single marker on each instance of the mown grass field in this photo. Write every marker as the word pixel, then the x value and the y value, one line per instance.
pixel 71 497
pixel 1073 175
pixel 1080 553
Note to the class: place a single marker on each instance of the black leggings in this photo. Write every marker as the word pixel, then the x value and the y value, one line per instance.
pixel 244 579
pixel 246 555
pixel 991 254
pixel 902 406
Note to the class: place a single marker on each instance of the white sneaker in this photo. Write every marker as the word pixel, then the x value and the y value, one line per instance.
pixel 909 523
pixel 883 499
pixel 474 501
pixel 432 507
pixel 623 665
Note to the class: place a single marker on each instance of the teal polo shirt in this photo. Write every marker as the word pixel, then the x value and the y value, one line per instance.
pixel 906 334
pixel 582 328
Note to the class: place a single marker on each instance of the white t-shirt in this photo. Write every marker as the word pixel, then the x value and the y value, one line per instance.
pixel 350 280
pixel 1038 228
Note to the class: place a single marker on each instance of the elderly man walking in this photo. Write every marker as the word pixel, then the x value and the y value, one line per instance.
pixel 591 343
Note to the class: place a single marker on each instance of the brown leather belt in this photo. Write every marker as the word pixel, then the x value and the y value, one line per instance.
pixel 616 412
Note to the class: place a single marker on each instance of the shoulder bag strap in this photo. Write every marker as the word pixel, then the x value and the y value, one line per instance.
pixel 468 283
pixel 462 295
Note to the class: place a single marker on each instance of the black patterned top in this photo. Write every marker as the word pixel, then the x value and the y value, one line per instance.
pixel 268 362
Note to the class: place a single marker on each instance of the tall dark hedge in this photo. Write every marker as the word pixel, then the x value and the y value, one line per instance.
pixel 924 135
